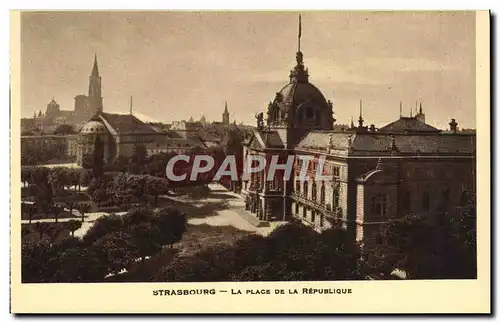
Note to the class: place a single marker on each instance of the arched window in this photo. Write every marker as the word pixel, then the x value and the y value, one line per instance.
pixel 426 201
pixel 297 208
pixel 305 188
pixel 313 191
pixel 313 216
pixel 297 187
pixel 379 205
pixel 335 198
pixel 322 194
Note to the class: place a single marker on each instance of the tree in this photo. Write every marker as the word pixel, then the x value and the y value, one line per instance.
pixel 185 269
pixel 42 188
pixel 64 129
pixel 68 260
pixel 104 226
pixel 80 264
pixel 98 158
pixel 138 159
pixel 70 205
pixel 29 209
pixel 147 239
pixel 99 195
pixel 428 247
pixel 172 224
pixel 73 225
pixel 25 231
pixel 58 179
pixel 292 252
pixel 54 231
pixel 88 162
pixel 85 177
pixel 54 210
pixel 42 228
pixel 35 264
pixel 83 208
pixel 155 186
pixel 137 216
pixel 117 251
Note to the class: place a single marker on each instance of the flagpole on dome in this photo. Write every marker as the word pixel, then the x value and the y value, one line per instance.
pixel 300 30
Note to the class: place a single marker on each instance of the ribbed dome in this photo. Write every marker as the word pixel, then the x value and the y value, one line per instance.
pixel 299 92
pixel 94 127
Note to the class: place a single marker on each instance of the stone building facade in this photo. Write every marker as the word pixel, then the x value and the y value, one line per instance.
pixel 405 167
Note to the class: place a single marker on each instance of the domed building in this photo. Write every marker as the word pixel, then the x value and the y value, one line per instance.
pixel 121 134
pixel 92 132
pixel 373 174
pixel 299 107
pixel 300 104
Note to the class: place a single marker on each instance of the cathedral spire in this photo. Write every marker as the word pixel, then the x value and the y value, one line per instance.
pixel 95 70
pixel 95 96
pixel 225 115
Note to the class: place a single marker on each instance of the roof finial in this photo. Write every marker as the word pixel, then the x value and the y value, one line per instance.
pixel 360 120
pixel 420 111
pixel 352 123
pixel 400 109
pixel 411 113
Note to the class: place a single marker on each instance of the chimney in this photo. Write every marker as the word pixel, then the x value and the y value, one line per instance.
pixel 453 126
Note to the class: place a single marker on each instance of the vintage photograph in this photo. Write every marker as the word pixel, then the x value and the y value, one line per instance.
pixel 253 146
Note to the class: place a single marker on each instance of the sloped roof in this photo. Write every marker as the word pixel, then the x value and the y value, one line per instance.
pixel 425 143
pixel 271 139
pixel 321 140
pixel 126 123
pixel 409 125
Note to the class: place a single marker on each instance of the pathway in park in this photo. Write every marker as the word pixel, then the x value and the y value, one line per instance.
pixel 227 216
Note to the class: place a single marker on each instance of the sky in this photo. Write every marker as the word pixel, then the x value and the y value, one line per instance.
pixel 182 64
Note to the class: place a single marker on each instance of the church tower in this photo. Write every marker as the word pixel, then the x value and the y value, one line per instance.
pixel 95 97
pixel 225 115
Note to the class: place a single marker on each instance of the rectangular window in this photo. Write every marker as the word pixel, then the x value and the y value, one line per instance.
pixel 336 171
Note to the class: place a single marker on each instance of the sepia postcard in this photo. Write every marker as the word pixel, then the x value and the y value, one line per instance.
pixel 333 162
